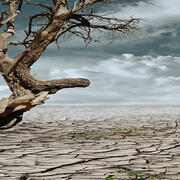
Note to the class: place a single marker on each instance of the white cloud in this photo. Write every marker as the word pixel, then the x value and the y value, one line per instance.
pixel 123 79
pixel 160 13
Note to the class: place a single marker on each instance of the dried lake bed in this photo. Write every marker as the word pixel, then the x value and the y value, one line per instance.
pixel 104 143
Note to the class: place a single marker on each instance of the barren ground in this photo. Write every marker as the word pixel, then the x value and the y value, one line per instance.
pixel 104 143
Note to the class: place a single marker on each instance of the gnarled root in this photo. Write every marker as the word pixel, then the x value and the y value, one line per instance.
pixel 11 111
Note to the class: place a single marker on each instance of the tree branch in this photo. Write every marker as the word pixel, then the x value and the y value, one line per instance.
pixel 5 62
pixel 41 5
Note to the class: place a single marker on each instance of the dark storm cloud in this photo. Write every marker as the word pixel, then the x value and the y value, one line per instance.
pixel 159 30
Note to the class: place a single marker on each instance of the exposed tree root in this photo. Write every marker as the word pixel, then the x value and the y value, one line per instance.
pixel 11 111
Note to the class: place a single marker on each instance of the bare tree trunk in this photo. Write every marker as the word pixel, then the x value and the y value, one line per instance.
pixel 28 92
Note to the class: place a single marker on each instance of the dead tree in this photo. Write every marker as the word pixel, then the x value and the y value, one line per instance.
pixel 75 17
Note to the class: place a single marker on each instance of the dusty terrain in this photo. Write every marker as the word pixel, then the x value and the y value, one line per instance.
pixel 104 143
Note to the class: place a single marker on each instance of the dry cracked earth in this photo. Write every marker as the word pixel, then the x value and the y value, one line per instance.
pixel 104 143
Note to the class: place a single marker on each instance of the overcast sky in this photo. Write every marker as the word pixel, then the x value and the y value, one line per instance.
pixel 139 68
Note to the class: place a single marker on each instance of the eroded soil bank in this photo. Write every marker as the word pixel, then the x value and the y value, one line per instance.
pixel 104 143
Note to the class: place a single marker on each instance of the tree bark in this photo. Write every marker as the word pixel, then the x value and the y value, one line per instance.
pixel 28 92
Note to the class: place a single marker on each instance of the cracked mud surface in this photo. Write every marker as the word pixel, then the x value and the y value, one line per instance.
pixel 104 143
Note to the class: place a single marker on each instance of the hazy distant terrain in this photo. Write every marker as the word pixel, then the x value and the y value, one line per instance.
pixel 119 114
